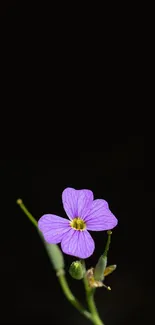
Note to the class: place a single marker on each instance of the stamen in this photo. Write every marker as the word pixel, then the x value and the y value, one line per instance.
pixel 108 288
pixel 78 224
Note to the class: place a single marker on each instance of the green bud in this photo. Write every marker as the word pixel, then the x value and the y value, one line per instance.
pixel 55 255
pixel 76 270
pixel 100 268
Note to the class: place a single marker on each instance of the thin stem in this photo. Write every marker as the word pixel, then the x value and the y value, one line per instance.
pixel 29 215
pixel 61 277
pixel 109 232
pixel 71 298
pixel 90 301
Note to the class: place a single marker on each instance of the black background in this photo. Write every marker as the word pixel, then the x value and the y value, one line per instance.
pixel 117 175
pixel 31 293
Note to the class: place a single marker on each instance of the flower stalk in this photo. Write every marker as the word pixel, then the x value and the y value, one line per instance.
pixel 71 298
pixel 60 273
pixel 90 300
pixel 77 268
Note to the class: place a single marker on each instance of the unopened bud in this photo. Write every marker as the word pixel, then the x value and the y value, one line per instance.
pixel 100 268
pixel 76 270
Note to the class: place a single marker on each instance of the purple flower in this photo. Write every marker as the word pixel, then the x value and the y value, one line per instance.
pixel 85 214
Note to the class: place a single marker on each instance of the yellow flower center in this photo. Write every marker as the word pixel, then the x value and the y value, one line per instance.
pixel 78 224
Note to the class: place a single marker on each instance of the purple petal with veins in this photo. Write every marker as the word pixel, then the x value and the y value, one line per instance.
pixel 78 243
pixel 77 203
pixel 100 217
pixel 53 228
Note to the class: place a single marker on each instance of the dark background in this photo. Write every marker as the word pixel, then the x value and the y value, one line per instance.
pixel 30 291
pixel 116 175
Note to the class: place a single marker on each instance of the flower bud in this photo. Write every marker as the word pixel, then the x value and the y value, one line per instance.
pixel 100 268
pixel 76 270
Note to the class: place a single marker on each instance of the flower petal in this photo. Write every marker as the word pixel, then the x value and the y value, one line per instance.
pixel 53 228
pixel 100 217
pixel 77 203
pixel 78 243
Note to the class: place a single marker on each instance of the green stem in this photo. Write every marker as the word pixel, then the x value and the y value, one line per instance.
pixel 109 232
pixel 90 301
pixel 61 276
pixel 29 215
pixel 71 298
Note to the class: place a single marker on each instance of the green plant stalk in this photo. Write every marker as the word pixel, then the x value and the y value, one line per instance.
pixel 71 298
pixel 28 214
pixel 90 300
pixel 109 232
pixel 60 274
